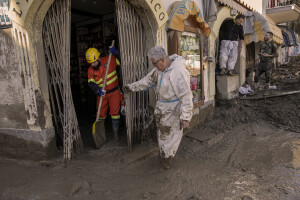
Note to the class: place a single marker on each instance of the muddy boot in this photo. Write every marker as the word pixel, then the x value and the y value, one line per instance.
pixel 231 72
pixel 222 72
pixel 166 163
pixel 115 126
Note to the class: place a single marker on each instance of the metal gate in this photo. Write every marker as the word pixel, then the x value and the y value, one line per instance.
pixel 134 67
pixel 56 39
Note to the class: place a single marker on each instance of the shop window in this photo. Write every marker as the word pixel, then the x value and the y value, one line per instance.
pixel 189 44
pixel 190 50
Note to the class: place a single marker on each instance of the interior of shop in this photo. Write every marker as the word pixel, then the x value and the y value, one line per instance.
pixel 93 24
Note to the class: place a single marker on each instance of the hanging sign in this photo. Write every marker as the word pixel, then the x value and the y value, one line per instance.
pixel 5 21
pixel 159 11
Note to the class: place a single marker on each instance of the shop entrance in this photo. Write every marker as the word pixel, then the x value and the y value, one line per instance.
pixel 218 46
pixel 93 24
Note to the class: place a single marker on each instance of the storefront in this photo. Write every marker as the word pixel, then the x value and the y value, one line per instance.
pixel 186 29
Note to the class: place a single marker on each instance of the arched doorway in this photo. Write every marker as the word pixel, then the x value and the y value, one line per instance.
pixel 134 40
pixel 218 44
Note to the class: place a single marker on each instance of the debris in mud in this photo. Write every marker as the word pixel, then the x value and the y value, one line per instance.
pixel 282 189
pixel 81 187
pixel 246 198
pixel 193 198
pixel 281 111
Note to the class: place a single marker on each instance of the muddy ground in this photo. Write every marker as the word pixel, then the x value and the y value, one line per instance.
pixel 249 149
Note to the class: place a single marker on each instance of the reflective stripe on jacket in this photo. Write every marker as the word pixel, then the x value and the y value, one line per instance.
pixel 97 76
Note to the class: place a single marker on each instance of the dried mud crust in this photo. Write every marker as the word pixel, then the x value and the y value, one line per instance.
pixel 281 111
pixel 287 77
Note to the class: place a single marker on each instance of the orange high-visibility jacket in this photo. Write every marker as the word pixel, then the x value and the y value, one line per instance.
pixel 97 76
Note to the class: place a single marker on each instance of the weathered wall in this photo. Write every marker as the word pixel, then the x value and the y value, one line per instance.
pixel 16 138
pixel 12 110
pixel 256 4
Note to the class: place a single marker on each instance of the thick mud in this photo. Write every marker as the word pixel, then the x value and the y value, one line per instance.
pixel 249 149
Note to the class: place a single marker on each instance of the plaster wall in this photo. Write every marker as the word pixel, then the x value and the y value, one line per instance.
pixel 256 4
pixel 12 110
pixel 19 138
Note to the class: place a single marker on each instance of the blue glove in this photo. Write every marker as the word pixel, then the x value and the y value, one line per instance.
pixel 101 92
pixel 113 50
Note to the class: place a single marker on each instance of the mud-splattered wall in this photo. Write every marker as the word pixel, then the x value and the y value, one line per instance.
pixel 12 110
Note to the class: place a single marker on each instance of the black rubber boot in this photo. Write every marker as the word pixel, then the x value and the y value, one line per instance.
pixel 231 72
pixel 115 126
pixel 222 72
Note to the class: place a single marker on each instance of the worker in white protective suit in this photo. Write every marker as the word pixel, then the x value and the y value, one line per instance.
pixel 232 31
pixel 173 111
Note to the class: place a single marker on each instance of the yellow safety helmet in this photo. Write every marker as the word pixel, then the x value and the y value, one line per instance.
pixel 92 55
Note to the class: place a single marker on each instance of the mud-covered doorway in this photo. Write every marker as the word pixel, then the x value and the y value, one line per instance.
pixel 93 25
pixel 220 37
pixel 96 24
pixel 218 45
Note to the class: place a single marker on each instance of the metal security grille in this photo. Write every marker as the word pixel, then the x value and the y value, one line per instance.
pixel 134 67
pixel 56 39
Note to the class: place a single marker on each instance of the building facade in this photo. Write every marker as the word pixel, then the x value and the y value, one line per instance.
pixel 43 71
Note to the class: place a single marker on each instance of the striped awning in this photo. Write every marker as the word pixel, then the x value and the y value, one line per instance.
pixel 263 24
pixel 181 10
pixel 234 5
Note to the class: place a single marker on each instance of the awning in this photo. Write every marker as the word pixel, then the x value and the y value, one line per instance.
pixel 234 5
pixel 261 26
pixel 290 35
pixel 181 10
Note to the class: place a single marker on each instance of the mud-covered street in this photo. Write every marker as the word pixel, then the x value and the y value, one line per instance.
pixel 249 149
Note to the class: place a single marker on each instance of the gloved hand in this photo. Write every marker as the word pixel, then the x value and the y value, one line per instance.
pixel 101 92
pixel 123 111
pixel 113 50
pixel 126 89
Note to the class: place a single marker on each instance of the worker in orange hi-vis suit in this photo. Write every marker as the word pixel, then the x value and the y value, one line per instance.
pixel 112 96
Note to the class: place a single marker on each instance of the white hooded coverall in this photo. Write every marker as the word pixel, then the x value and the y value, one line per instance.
pixel 173 102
